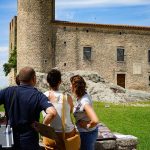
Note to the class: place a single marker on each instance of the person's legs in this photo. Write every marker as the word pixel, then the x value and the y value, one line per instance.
pixel 88 139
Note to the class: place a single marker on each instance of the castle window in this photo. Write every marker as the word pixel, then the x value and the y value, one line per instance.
pixel 149 56
pixel 87 53
pixel 11 46
pixel 45 61
pixel 10 26
pixel 149 80
pixel 120 54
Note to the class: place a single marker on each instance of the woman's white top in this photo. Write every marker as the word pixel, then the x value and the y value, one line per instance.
pixel 57 122
pixel 80 114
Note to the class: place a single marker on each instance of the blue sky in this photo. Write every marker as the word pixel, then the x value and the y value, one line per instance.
pixel 130 12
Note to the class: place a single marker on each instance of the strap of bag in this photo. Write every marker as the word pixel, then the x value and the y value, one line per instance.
pixel 63 116
pixel 10 109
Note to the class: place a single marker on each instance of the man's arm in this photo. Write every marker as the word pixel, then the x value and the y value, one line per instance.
pixel 50 114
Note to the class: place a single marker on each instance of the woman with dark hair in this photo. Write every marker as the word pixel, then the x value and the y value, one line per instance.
pixel 56 98
pixel 86 118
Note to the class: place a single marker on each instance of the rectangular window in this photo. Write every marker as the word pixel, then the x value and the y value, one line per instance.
pixel 120 54
pixel 87 53
pixel 149 56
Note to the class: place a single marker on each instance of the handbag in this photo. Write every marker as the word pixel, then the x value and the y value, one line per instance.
pixel 48 133
pixel 6 132
pixel 72 143
pixel 44 130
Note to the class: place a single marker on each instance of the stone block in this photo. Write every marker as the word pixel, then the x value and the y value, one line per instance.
pixel 126 142
pixel 105 145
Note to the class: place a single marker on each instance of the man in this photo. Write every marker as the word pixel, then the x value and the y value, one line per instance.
pixel 27 105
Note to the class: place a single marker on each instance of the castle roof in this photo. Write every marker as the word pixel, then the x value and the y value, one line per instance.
pixel 110 26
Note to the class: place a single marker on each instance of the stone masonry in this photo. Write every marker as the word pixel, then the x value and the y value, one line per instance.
pixel 104 43
pixel 43 43
pixel 34 34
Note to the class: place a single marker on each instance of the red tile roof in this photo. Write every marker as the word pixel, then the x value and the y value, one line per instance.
pixel 111 26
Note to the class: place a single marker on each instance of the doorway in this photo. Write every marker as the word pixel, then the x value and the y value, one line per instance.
pixel 121 80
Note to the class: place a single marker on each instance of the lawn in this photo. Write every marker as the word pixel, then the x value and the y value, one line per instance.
pixel 127 120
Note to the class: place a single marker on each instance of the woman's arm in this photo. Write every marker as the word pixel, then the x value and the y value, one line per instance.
pixel 91 115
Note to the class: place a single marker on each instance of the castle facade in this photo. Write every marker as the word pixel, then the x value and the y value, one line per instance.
pixel 119 53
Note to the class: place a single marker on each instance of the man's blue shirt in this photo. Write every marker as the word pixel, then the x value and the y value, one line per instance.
pixel 27 105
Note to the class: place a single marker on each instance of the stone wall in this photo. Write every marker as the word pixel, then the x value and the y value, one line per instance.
pixel 13 34
pixel 70 41
pixel 12 46
pixel 43 43
pixel 34 34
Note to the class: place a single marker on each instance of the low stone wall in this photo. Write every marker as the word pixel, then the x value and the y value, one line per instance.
pixel 122 142
pixel 113 141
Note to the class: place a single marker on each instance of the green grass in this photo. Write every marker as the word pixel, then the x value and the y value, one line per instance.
pixel 1 108
pixel 127 120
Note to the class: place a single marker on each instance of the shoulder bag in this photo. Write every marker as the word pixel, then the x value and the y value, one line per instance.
pixel 72 143
pixel 6 132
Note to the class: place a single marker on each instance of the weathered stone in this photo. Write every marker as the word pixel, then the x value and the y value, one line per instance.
pixel 100 90
pixel 105 145
pixel 126 142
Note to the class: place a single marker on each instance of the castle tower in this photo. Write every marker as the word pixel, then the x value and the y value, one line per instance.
pixel 34 34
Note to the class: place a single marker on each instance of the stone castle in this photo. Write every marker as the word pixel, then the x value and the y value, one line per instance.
pixel 119 53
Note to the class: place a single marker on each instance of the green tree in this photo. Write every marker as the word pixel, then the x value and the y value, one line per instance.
pixel 12 63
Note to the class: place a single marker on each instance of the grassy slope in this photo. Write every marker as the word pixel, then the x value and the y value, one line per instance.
pixel 127 120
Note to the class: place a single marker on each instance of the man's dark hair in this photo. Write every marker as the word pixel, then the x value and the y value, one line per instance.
pixel 26 74
pixel 53 78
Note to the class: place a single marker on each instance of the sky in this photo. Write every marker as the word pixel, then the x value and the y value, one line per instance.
pixel 121 12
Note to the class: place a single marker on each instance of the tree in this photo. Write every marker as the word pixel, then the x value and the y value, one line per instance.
pixel 12 63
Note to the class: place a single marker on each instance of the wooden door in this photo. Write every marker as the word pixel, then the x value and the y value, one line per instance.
pixel 121 80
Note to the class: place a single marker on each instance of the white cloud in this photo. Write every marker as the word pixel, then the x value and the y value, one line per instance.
pixel 3 49
pixel 98 3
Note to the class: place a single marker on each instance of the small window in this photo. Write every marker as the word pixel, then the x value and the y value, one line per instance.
pixel 149 80
pixel 45 61
pixel 120 54
pixel 10 26
pixel 149 56
pixel 87 53
pixel 11 46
